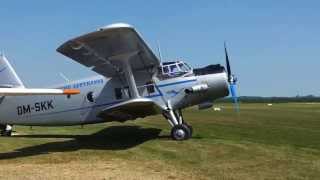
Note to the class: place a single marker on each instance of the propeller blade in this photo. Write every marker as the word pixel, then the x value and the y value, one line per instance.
pixel 227 62
pixel 232 81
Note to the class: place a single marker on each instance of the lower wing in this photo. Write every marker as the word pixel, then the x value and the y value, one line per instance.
pixel 26 91
pixel 131 109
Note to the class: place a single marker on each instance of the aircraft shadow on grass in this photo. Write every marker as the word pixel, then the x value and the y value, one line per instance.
pixel 111 138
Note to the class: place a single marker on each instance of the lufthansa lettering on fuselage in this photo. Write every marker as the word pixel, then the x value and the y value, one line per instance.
pixel 36 107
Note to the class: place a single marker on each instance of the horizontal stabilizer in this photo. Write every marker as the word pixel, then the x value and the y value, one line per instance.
pixel 26 92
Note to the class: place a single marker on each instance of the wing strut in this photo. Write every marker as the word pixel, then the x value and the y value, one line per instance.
pixel 129 76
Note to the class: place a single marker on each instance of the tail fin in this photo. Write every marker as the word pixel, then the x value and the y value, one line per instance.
pixel 8 77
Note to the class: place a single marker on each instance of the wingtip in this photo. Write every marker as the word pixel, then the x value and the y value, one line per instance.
pixel 116 25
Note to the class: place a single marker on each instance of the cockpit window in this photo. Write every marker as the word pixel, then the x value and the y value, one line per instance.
pixel 187 66
pixel 174 69
pixel 183 67
pixel 165 69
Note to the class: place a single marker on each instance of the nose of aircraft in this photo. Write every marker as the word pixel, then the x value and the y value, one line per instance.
pixel 217 84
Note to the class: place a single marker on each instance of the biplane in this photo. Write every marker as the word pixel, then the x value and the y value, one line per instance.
pixel 132 83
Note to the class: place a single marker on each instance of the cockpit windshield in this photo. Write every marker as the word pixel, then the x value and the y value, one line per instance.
pixel 174 69
pixel 184 67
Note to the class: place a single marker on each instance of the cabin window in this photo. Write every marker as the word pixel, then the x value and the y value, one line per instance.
pixel 118 93
pixel 90 97
pixel 150 87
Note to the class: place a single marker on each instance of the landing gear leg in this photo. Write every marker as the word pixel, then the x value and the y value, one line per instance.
pixel 180 130
pixel 6 130
pixel 184 122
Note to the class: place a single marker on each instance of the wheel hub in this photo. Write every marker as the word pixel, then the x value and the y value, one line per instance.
pixel 180 134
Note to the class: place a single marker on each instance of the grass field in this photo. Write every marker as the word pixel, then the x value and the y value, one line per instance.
pixel 278 142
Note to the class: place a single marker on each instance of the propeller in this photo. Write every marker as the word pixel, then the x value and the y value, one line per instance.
pixel 232 81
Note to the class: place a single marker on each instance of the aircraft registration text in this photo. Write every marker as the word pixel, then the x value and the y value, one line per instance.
pixel 36 107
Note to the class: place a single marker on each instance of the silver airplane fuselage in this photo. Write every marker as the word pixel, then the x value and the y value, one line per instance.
pixel 81 109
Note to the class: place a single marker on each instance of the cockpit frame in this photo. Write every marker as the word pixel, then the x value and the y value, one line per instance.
pixel 174 69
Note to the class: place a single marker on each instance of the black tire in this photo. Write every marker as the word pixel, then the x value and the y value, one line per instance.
pixel 6 133
pixel 9 133
pixel 180 132
pixel 190 128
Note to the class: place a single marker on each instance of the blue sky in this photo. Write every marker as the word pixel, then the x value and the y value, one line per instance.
pixel 274 45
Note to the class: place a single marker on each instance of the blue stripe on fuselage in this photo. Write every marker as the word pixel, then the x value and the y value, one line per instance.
pixel 115 102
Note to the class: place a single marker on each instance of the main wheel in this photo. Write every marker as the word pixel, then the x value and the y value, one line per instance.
pixel 6 133
pixel 180 132
pixel 190 128
pixel 9 133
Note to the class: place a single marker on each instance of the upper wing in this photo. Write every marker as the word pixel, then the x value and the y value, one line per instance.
pixel 101 50
pixel 25 91
pixel 131 109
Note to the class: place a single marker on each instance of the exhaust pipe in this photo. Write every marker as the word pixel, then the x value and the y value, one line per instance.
pixel 197 88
